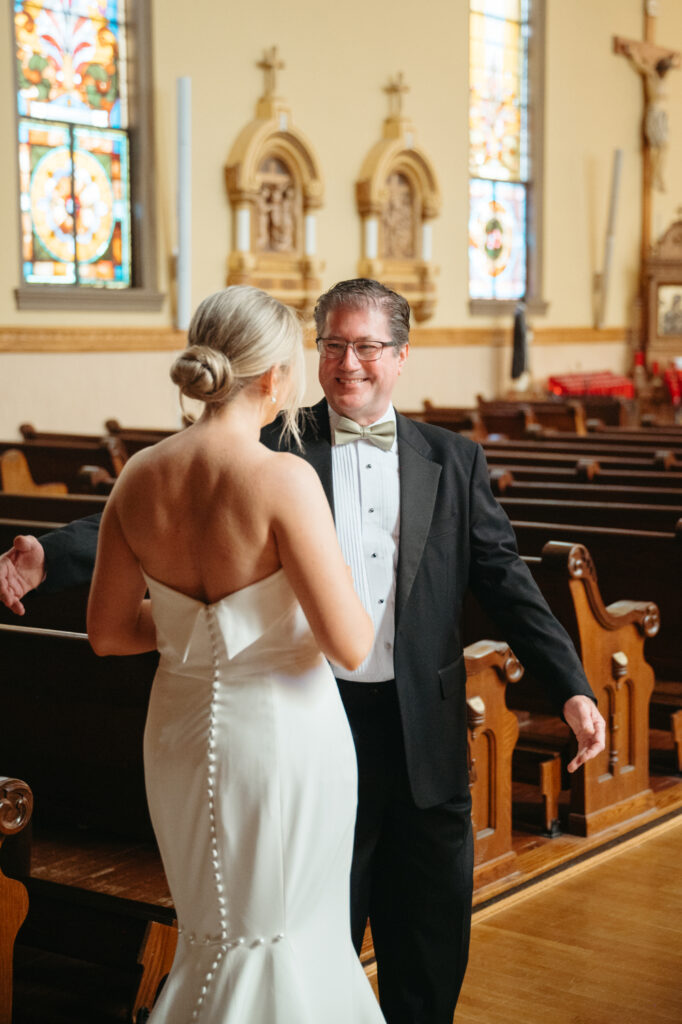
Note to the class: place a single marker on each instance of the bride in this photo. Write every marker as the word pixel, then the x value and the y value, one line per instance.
pixel 249 762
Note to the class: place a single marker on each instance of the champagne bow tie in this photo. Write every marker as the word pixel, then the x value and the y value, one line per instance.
pixel 381 434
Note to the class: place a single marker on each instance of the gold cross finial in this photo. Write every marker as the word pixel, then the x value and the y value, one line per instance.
pixel 396 89
pixel 271 64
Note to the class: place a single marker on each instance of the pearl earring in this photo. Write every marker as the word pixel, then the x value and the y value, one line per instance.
pixel 273 397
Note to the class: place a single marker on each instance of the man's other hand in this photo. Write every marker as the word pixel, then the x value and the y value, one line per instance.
pixel 22 568
pixel 589 727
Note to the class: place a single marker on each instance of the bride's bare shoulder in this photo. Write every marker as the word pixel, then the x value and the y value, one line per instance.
pixel 287 474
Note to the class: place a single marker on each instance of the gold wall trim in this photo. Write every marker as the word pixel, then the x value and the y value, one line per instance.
pixel 167 339
pixel 91 339
pixel 442 337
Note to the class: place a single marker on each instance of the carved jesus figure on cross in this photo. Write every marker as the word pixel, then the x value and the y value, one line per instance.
pixel 653 63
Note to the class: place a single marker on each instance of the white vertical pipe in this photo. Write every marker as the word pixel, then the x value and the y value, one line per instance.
pixel 371 238
pixel 184 203
pixel 243 229
pixel 610 229
pixel 427 241
pixel 310 234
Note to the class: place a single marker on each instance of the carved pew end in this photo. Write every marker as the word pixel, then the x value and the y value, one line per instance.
pixel 16 806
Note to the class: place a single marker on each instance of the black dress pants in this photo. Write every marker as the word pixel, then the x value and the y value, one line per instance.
pixel 412 872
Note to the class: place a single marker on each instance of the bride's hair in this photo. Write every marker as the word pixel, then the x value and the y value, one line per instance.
pixel 235 336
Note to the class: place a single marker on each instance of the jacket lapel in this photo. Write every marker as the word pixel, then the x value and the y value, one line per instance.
pixel 419 476
pixel 318 447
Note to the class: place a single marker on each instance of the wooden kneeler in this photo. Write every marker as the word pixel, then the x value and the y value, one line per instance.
pixel 16 806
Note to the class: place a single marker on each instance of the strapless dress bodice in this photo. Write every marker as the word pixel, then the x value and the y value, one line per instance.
pixel 263 621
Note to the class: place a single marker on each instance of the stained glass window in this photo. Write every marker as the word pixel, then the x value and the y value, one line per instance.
pixel 499 164
pixel 73 142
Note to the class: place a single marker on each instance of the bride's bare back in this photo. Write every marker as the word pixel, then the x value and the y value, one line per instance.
pixel 204 525
pixel 208 512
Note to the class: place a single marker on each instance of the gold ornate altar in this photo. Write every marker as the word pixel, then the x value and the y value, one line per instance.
pixel 275 188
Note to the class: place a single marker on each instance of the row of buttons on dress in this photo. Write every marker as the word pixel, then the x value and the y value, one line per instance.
pixel 227 944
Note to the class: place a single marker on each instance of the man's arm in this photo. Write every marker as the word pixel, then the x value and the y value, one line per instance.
pixel 503 584
pixel 60 559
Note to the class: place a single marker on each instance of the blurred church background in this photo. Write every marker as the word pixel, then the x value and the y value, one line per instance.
pixel 473 154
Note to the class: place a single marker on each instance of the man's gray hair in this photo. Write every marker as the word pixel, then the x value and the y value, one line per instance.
pixel 363 293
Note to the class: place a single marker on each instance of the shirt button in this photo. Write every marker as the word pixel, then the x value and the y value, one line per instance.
pixel 368 466
pixel 381 600
pixel 371 510
pixel 374 554
pixel 387 645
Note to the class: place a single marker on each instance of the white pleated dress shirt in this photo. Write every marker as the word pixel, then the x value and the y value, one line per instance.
pixel 366 485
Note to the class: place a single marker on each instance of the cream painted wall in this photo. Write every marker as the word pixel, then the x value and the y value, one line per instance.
pixel 338 58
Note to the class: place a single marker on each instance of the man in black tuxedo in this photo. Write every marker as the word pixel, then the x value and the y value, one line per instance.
pixel 418 525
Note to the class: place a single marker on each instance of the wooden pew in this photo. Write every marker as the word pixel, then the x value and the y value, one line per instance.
pixel 505 485
pixel 29 433
pixel 556 414
pixel 71 463
pixel 43 508
pixel 615 786
pixel 619 438
pixel 16 806
pixel 651 563
pixel 15 476
pixel 586 471
pixel 633 456
pixel 612 410
pixel 662 518
pixel 135 438
pixel 510 421
pixel 461 420
pixel 610 641
pixel 628 561
pixel 97 889
pixel 492 731
pixel 508 456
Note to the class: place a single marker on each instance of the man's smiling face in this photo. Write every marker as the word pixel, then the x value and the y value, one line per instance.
pixel 360 390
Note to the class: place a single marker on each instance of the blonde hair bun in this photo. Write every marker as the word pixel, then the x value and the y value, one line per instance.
pixel 205 374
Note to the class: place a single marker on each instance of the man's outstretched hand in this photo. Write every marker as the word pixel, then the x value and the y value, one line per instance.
pixel 589 727
pixel 22 568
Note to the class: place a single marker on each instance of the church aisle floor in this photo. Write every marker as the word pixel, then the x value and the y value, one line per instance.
pixel 601 943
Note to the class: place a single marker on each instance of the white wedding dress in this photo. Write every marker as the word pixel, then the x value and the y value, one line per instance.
pixel 251 781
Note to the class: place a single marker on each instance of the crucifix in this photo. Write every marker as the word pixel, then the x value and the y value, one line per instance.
pixel 271 64
pixel 396 90
pixel 652 62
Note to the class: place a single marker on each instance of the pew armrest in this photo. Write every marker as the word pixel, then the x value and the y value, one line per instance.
pixel 16 806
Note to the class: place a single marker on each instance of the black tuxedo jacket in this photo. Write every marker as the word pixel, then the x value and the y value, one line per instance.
pixel 453 535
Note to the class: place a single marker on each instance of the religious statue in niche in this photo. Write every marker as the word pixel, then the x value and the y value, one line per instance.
pixel 398 219
pixel 397 198
pixel 655 113
pixel 277 207
pixel 275 188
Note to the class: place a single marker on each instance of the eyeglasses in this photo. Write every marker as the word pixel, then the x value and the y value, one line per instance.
pixel 365 351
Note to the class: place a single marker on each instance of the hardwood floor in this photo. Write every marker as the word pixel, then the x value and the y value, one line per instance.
pixel 600 943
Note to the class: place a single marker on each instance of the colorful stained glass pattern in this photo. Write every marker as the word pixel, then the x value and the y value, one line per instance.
pixel 497 92
pixel 497 240
pixel 71 61
pixel 74 205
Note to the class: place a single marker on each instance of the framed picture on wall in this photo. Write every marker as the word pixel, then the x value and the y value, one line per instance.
pixel 669 305
pixel 663 297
